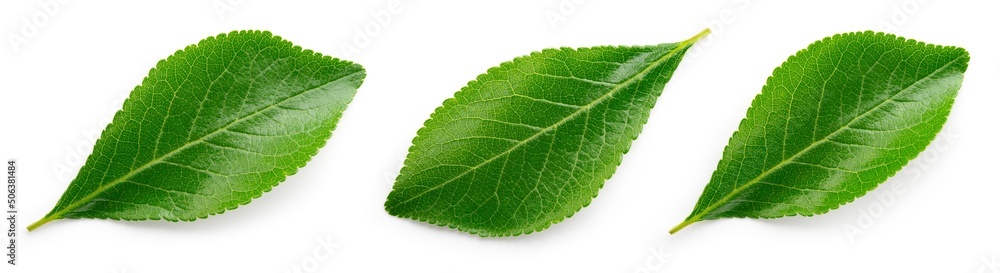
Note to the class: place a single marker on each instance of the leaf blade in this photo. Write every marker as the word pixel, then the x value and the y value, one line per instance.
pixel 862 143
pixel 239 99
pixel 520 113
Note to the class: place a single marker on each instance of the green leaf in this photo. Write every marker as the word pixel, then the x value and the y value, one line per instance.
pixel 833 122
pixel 530 142
pixel 211 128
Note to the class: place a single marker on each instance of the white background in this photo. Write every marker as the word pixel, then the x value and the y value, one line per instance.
pixel 62 85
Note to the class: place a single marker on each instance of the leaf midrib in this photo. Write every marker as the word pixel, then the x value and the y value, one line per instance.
pixel 573 115
pixel 720 202
pixel 155 161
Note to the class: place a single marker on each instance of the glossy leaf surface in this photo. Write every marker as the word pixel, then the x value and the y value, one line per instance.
pixel 833 122
pixel 531 142
pixel 211 128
